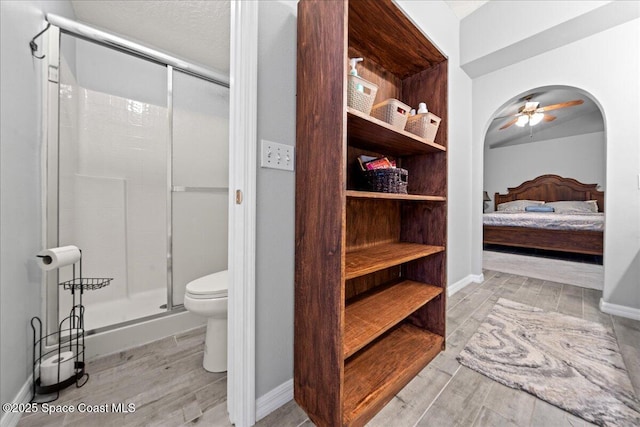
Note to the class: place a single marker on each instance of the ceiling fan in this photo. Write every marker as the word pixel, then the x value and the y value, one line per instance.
pixel 532 114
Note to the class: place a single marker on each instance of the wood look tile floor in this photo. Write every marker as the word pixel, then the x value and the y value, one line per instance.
pixel 166 381
pixel 448 394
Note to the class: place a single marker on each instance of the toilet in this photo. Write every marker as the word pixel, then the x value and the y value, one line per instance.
pixel 207 297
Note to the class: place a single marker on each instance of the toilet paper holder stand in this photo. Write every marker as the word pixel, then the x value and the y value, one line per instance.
pixel 69 337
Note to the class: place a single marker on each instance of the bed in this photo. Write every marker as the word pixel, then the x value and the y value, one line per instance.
pixel 583 233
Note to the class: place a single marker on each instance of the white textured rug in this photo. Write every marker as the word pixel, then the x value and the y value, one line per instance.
pixel 569 362
pixel 572 273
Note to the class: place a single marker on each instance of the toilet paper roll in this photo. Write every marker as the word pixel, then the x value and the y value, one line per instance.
pixel 49 368
pixel 58 257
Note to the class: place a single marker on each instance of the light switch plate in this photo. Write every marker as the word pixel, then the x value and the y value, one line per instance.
pixel 277 156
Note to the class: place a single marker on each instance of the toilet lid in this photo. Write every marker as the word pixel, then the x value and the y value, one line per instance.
pixel 211 286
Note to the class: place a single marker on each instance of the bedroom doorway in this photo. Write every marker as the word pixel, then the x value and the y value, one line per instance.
pixel 547 144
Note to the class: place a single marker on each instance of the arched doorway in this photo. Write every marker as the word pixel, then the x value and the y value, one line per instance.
pixel 551 130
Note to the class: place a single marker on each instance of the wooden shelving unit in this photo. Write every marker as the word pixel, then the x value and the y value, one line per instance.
pixel 370 267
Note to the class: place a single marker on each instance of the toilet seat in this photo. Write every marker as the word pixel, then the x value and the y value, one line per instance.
pixel 208 287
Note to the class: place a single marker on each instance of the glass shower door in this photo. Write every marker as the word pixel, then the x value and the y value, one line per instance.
pixel 112 185
pixel 200 165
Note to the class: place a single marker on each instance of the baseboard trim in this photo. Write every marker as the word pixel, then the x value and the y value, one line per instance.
pixel 619 310
pixel 274 399
pixel 465 281
pixel 11 419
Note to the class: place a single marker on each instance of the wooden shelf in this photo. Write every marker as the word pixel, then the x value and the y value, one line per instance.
pixel 352 355
pixel 370 133
pixel 394 196
pixel 373 376
pixel 375 258
pixel 375 312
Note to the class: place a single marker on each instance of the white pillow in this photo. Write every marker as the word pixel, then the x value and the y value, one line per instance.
pixel 575 206
pixel 518 205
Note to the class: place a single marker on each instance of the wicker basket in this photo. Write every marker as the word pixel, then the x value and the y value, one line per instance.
pixel 360 94
pixel 392 180
pixel 424 125
pixel 392 111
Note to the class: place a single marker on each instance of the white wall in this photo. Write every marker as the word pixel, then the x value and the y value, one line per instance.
pixel 503 32
pixel 20 193
pixel 581 157
pixel 275 208
pixel 606 65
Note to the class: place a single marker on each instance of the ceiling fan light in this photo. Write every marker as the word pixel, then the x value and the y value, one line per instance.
pixel 530 106
pixel 522 120
pixel 535 119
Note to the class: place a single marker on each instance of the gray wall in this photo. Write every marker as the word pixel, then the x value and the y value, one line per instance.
pixel 275 196
pixel 20 190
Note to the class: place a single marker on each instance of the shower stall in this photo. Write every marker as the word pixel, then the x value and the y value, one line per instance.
pixel 137 173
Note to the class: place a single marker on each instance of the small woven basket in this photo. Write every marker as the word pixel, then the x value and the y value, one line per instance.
pixel 361 94
pixel 424 125
pixel 392 111
pixel 392 180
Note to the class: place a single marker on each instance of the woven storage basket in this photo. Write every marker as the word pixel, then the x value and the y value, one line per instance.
pixel 392 180
pixel 424 125
pixel 361 100
pixel 392 111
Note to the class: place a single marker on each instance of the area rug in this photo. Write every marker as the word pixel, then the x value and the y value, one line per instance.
pixel 571 363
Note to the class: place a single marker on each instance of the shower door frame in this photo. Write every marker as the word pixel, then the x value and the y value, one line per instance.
pixel 60 26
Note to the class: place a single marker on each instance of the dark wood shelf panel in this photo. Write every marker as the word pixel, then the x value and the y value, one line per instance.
pixel 375 312
pixel 369 133
pixel 394 196
pixel 375 26
pixel 373 376
pixel 375 258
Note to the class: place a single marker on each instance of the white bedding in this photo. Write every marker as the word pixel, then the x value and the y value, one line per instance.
pixel 547 220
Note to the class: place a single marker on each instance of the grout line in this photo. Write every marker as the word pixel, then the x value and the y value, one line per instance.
pixel 473 423
pixel 437 396
pixel 559 296
pixel 305 420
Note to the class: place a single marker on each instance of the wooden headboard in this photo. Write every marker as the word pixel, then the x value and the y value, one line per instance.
pixel 552 188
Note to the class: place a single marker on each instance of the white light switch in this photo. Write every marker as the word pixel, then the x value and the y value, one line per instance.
pixel 277 156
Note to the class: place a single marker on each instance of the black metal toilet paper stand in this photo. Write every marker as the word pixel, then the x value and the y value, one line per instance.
pixel 69 337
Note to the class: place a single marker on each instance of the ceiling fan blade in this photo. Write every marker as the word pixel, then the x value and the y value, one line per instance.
pixel 561 105
pixel 509 123
pixel 548 118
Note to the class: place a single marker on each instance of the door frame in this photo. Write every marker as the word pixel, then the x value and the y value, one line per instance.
pixel 241 399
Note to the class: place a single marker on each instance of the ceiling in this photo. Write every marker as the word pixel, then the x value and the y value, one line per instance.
pixel 463 8
pixel 196 31
pixel 199 32
pixel 571 121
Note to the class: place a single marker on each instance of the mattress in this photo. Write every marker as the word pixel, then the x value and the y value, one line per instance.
pixel 547 220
